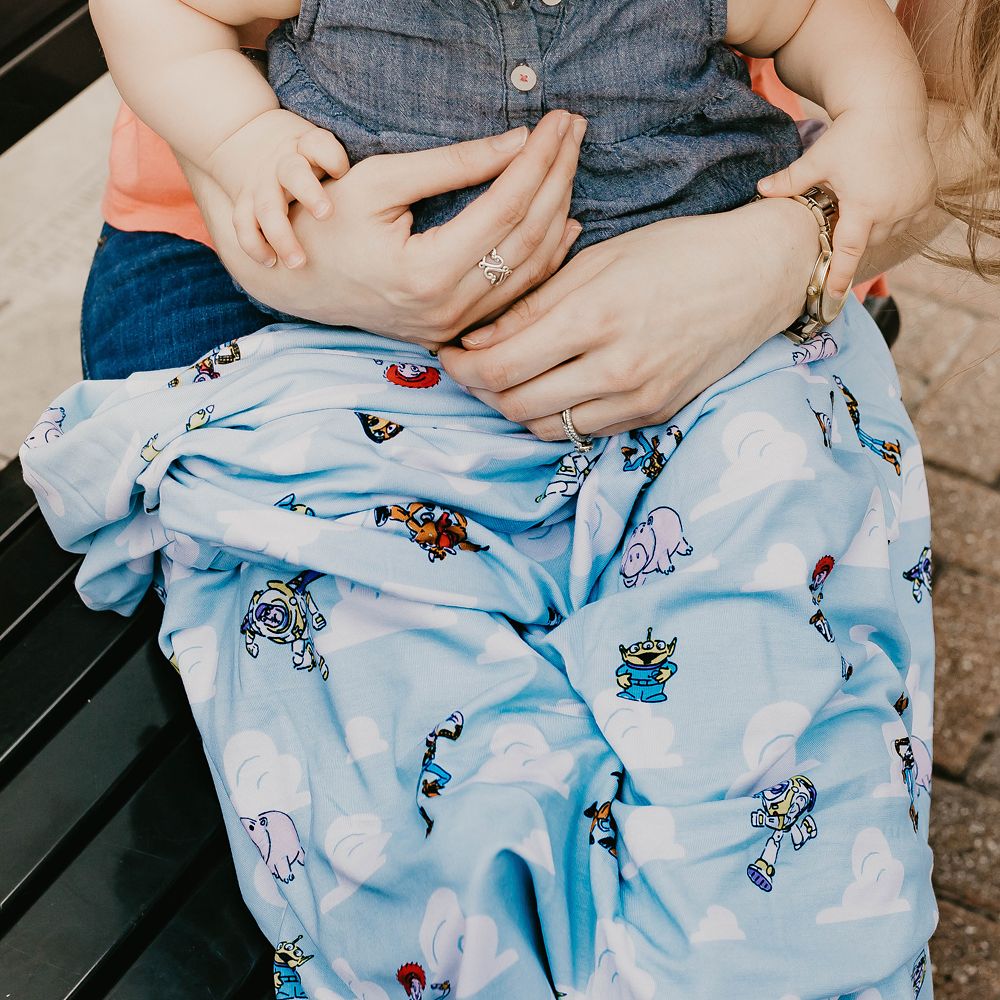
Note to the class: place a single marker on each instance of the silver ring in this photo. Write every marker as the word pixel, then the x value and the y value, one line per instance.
pixel 583 442
pixel 495 270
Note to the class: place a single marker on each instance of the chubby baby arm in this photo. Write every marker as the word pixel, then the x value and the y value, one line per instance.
pixel 177 64
pixel 852 58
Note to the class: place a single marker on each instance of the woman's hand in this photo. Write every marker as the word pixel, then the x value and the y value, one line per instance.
pixel 367 269
pixel 633 328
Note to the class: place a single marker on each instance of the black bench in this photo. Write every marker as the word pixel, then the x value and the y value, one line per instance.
pixel 115 875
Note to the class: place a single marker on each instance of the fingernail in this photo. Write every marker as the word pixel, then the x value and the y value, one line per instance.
pixel 509 141
pixel 574 231
pixel 564 120
pixel 478 337
pixel 323 210
pixel 579 127
pixel 296 260
pixel 271 262
pixel 765 184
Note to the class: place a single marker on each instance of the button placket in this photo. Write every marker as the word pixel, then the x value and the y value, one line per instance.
pixel 523 62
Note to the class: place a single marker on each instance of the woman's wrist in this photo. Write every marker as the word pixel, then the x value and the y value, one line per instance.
pixel 780 237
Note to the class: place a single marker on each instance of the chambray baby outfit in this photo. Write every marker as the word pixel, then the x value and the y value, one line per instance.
pixel 493 717
pixel 674 128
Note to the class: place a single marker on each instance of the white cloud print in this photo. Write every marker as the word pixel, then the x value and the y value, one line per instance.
pixel 259 777
pixel 640 737
pixel 273 532
pixel 354 848
pixel 502 645
pixel 536 849
pixel 521 753
pixel 196 653
pixel 783 568
pixel 878 879
pixel 761 453
pixel 718 924
pixel 648 833
pixel 915 503
pixel 769 747
pixel 461 949
pixel 361 989
pixel 363 614
pixel 363 738
pixel 870 546
pixel 616 975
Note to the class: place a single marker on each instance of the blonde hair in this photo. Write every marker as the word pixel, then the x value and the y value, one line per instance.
pixel 975 200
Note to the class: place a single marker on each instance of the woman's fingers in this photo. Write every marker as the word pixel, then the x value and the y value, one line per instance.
pixel 530 245
pixel 604 416
pixel 404 178
pixel 806 172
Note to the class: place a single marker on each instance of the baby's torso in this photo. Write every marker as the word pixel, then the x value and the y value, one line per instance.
pixel 674 128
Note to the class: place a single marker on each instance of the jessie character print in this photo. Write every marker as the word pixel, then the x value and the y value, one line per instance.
pixel 820 573
pixel 433 777
pixel 412 376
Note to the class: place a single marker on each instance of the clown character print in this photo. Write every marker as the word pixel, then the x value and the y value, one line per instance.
pixel 785 809
pixel 413 979
pixel 888 451
pixel 920 574
pixel 645 669
pixel 288 959
pixel 411 376
pixel 282 613
pixel 433 777
pixel 820 574
pixel 437 531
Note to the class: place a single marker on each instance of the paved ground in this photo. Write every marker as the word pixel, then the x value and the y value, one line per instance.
pixel 949 361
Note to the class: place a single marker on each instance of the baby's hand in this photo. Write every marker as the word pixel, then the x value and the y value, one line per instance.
pixel 275 159
pixel 882 174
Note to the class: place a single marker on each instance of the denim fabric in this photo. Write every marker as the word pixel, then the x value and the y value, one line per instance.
pixel 674 128
pixel 155 300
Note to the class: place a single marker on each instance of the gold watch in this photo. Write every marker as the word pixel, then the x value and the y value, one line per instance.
pixel 820 311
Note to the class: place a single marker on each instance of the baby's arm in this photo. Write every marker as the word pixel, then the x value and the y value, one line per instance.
pixel 177 64
pixel 851 57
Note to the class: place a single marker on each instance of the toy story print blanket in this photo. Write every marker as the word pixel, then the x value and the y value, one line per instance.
pixel 492 717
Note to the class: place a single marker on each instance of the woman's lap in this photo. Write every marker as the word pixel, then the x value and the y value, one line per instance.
pixel 669 883
pixel 155 300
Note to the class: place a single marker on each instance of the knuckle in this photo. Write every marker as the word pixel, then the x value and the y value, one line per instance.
pixel 543 431
pixel 619 374
pixel 495 376
pixel 532 233
pixel 511 210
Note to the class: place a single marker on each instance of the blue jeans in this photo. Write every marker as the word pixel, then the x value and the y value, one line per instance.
pixel 155 300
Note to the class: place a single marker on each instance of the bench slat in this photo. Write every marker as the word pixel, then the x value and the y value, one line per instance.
pixel 83 766
pixel 78 931
pixel 211 948
pixel 65 655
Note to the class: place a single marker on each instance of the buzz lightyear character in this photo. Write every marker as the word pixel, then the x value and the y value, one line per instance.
pixel 645 669
pixel 785 809
pixel 282 613
pixel 574 468
pixel 921 574
pixel 288 959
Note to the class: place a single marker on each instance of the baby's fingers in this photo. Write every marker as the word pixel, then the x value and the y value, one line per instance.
pixel 322 148
pixel 296 176
pixel 850 239
pixel 248 234
pixel 806 172
pixel 271 209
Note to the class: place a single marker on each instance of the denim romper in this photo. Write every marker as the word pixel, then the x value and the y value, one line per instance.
pixel 674 128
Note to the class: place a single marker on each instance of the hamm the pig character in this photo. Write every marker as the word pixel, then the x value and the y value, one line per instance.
pixel 651 545
pixel 275 836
